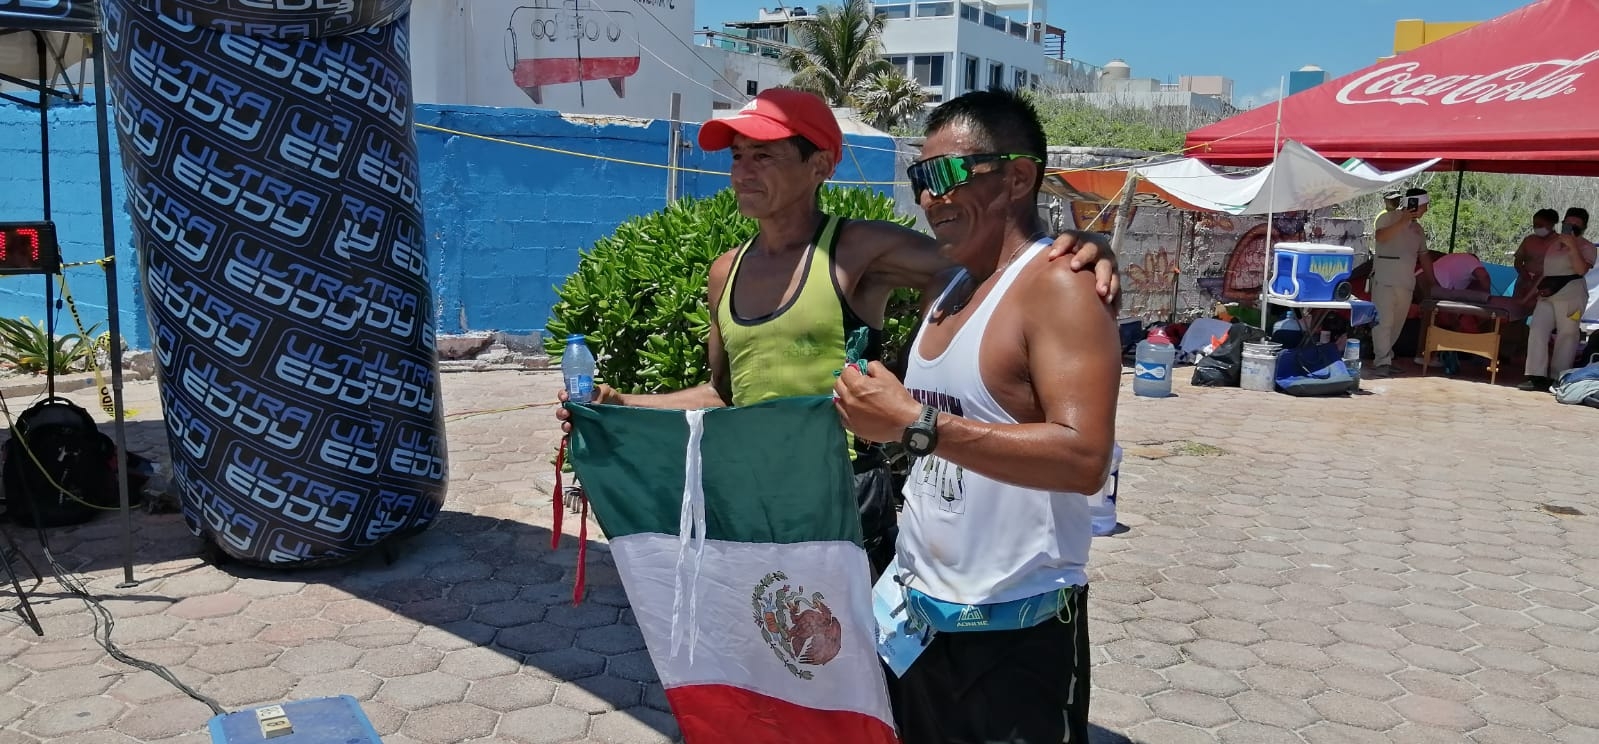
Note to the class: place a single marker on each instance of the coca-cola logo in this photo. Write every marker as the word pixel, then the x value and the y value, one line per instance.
pixel 1401 84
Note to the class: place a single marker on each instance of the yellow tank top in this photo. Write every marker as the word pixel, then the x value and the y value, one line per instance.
pixel 796 349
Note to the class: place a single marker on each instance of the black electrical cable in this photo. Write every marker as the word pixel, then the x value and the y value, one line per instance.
pixel 104 621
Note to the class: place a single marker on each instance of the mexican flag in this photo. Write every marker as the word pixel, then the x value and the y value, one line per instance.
pixel 736 535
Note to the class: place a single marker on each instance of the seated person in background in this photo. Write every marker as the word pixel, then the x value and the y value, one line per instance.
pixel 1529 255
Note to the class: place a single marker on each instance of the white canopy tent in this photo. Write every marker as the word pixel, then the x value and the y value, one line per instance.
pixel 1299 180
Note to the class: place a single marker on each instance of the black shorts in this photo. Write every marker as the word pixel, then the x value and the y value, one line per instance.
pixel 876 496
pixel 1026 686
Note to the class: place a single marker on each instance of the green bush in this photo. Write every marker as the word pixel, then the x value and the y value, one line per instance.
pixel 639 294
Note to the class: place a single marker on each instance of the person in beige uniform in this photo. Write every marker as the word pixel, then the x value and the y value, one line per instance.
pixel 1401 247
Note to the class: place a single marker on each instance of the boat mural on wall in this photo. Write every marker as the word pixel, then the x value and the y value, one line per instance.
pixel 560 42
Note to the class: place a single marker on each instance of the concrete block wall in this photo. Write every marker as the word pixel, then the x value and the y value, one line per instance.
pixel 505 222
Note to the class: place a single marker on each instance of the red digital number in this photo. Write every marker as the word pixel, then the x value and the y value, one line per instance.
pixel 32 236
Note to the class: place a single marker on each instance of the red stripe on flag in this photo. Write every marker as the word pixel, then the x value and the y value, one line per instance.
pixel 712 714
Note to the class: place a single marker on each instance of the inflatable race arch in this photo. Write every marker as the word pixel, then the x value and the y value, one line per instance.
pixel 271 176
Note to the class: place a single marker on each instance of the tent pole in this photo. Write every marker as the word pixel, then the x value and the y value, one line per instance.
pixel 1454 219
pixel 108 232
pixel 1124 214
pixel 1271 208
pixel 1177 263
pixel 47 200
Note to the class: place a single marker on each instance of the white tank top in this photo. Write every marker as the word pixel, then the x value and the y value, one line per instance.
pixel 967 538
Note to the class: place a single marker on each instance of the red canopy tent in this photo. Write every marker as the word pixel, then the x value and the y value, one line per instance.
pixel 1512 95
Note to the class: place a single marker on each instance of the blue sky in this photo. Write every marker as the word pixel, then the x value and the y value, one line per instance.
pixel 1254 42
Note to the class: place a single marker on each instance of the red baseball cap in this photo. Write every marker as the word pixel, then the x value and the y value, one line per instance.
pixel 778 113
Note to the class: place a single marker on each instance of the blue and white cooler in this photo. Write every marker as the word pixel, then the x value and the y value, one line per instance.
pixel 1312 272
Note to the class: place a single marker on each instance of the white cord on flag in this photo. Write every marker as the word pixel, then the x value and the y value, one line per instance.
pixel 690 528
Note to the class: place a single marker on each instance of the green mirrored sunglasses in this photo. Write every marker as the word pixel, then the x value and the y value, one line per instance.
pixel 940 175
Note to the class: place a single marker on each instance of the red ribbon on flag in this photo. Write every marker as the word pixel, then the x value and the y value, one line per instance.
pixel 582 527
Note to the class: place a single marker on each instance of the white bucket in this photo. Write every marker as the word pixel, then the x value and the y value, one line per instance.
pixel 1259 370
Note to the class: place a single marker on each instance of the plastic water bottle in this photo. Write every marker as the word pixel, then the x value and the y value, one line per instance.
pixel 1287 331
pixel 1152 365
pixel 1352 359
pixel 1102 506
pixel 577 369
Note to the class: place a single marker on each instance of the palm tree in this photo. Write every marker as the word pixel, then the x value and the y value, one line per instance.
pixel 838 56
pixel 886 100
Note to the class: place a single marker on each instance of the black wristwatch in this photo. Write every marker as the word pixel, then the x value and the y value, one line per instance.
pixel 921 437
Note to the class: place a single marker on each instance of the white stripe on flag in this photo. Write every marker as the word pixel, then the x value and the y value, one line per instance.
pixel 741 581
pixel 690 529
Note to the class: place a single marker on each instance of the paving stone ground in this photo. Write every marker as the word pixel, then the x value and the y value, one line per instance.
pixel 1380 568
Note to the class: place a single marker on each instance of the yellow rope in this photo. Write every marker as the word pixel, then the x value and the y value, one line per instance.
pixel 646 164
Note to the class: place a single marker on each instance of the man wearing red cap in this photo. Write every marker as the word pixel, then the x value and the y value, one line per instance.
pixel 784 305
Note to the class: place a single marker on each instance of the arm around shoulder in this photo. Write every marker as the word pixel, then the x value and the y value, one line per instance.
pixel 902 258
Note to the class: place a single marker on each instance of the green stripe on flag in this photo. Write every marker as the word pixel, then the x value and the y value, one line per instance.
pixel 774 472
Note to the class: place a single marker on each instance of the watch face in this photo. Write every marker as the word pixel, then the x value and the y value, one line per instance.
pixel 919 442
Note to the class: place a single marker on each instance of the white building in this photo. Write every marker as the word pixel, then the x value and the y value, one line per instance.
pixel 949 46
pixel 955 47
pixel 1193 101
pixel 597 57
pixel 749 55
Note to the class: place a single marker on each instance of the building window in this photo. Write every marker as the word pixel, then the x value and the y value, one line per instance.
pixel 751 87
pixel 971 73
pixel 1021 80
pixel 996 74
pixel 901 64
pixel 928 69
pixel 1033 83
pixel 894 11
pixel 971 13
pixel 934 10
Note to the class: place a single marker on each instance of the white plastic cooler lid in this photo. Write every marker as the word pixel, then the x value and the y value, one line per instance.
pixel 1314 248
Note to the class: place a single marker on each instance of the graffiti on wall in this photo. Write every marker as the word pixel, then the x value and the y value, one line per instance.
pixel 1178 264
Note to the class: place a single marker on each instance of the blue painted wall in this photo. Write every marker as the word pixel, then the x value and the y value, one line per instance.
pixel 75 207
pixel 505 222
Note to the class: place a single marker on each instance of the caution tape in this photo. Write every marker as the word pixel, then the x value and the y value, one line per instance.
pixel 74 265
pixel 101 343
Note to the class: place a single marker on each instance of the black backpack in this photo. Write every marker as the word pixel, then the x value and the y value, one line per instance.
pixel 72 452
pixel 1224 366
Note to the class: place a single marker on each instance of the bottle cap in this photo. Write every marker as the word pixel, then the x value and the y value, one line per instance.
pixel 576 338
pixel 1158 336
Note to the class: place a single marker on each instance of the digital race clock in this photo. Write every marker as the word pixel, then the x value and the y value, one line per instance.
pixel 29 248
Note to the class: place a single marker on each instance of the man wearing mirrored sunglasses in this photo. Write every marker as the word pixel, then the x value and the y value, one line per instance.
pixel 783 305
pixel 1009 402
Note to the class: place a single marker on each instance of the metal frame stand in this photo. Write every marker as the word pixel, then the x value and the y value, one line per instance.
pixel 46 89
pixel 9 552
